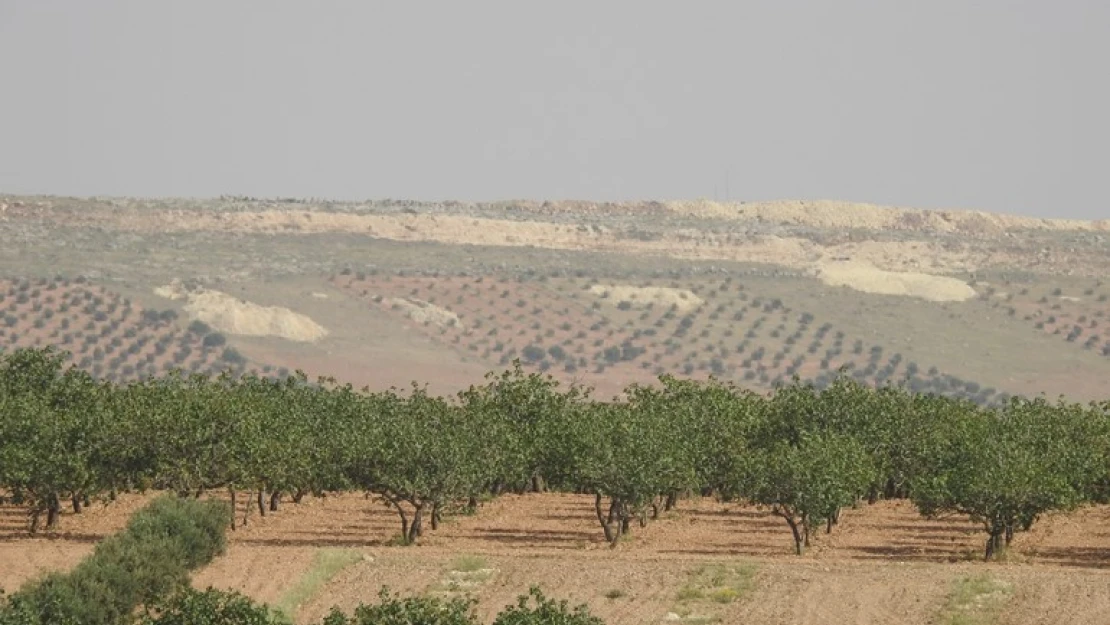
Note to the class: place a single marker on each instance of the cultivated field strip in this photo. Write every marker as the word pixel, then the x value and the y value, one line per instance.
pixel 1058 571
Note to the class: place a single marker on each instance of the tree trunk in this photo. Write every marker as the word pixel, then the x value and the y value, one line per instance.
pixel 436 518
pixel 275 500
pixel 1009 534
pixel 35 514
pixel 76 501
pixel 799 543
pixel 54 508
pixel 472 504
pixel 891 489
pixel 834 519
pixel 231 491
pixel 799 540
pixel 654 510
pixel 261 503
pixel 298 496
pixel 994 543
pixel 672 499
pixel 416 529
pixel 606 523
pixel 247 509
pixel 401 512
pixel 537 484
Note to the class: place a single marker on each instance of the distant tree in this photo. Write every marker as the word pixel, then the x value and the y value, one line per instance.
pixel 215 339
pixel 232 356
pixel 533 353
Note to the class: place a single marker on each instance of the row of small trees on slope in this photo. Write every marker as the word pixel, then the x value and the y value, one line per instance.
pixel 803 453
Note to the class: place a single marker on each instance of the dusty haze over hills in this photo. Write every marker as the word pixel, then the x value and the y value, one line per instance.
pixel 994 105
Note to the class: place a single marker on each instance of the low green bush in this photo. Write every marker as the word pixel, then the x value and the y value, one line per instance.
pixel 210 607
pixel 393 610
pixel 215 607
pixel 545 612
pixel 148 561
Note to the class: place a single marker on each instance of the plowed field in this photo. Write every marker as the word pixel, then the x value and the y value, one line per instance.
pixel 882 564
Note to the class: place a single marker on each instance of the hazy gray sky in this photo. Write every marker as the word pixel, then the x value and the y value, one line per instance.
pixel 1000 105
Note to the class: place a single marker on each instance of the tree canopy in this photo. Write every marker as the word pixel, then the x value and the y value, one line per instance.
pixel 67 439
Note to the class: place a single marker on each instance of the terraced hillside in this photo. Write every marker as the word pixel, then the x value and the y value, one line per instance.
pixel 385 292
pixel 106 333
pixel 575 327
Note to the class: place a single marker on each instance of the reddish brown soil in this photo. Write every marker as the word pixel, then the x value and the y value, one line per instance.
pixel 103 332
pixel 882 564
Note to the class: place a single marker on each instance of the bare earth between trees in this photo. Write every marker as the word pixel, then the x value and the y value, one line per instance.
pixel 878 555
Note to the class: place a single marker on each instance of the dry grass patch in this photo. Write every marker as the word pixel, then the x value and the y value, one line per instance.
pixel 709 588
pixel 465 576
pixel 327 564
pixel 975 600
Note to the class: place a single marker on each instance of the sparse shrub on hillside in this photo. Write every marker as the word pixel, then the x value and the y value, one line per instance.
pixel 232 356
pixel 533 353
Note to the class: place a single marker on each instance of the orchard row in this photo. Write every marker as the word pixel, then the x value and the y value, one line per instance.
pixel 67 438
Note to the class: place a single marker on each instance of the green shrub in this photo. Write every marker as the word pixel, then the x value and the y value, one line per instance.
pixel 408 611
pixel 210 607
pixel 546 612
pixel 141 565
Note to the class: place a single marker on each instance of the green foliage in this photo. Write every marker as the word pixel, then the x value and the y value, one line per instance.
pixel 215 607
pixel 1005 469
pixel 545 611
pixel 148 561
pixel 804 452
pixel 394 610
pixel 806 483
pixel 210 607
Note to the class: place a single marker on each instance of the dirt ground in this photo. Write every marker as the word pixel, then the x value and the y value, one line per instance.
pixel 882 564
